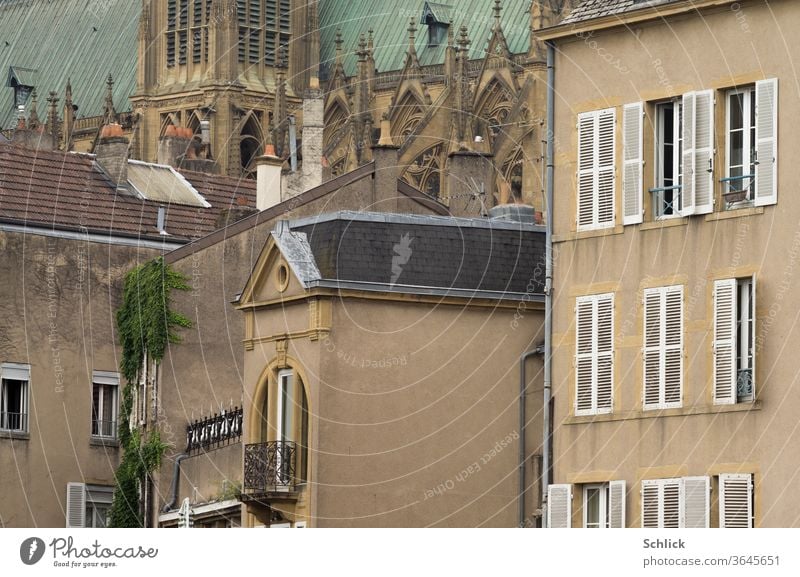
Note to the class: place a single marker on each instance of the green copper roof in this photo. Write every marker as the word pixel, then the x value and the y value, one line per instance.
pixel 83 40
pixel 389 21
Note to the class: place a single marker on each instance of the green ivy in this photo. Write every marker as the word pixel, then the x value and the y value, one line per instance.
pixel 146 325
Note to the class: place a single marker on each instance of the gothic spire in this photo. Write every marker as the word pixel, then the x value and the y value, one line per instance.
pixel 33 115
pixel 52 115
pixel 109 114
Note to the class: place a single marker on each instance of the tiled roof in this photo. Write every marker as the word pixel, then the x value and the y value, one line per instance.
pixel 590 9
pixel 404 251
pixel 83 41
pixel 389 21
pixel 67 191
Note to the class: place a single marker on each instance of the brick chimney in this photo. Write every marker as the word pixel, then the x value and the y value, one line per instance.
pixel 111 154
pixel 268 179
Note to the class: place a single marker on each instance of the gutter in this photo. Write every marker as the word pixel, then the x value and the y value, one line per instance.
pixel 523 392
pixel 548 282
pixel 176 474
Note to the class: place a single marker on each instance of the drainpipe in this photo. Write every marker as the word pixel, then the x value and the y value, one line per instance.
pixel 523 391
pixel 548 283
pixel 176 475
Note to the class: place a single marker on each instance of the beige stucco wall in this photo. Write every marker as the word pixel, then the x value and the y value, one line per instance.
pixel 724 47
pixel 413 411
pixel 57 314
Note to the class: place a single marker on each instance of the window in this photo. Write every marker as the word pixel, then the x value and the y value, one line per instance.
pixel 596 154
pixel 663 347
pixel 594 354
pixel 179 28
pixel 675 503
pixel 14 379
pixel 751 144
pixel 88 505
pixel 734 341
pixel 736 501
pixel 105 387
pixel 669 160
pixel 603 505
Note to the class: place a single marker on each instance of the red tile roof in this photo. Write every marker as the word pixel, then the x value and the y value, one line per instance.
pixel 67 191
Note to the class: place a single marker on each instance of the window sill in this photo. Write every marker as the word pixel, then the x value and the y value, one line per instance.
pixel 652 414
pixel 18 435
pixel 665 223
pixel 581 234
pixel 103 442
pixel 734 213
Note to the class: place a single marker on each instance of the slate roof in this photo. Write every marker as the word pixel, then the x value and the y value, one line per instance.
pixel 590 9
pixel 408 253
pixel 66 191
pixel 79 40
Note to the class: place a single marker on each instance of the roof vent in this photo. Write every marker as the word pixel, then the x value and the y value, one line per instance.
pixel 162 214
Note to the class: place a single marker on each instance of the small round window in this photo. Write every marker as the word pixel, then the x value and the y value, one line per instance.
pixel 282 277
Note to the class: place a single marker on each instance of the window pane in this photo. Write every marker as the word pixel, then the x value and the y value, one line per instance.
pixel 593 508
pixel 737 142
pixel 735 104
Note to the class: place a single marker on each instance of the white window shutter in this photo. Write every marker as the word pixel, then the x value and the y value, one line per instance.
pixel 616 505
pixel 688 157
pixel 585 339
pixel 76 505
pixel 766 142
pixel 652 353
pixel 695 502
pixel 559 506
pixel 651 504
pixel 753 334
pixel 604 357
pixel 736 501
pixel 725 342
pixel 673 348
pixel 671 510
pixel 587 168
pixel 632 165
pixel 703 152
pixel 606 156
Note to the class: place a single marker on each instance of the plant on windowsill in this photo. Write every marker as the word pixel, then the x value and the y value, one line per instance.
pixel 146 326
pixel 737 189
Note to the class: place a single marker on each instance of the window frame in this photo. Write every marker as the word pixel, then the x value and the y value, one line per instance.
pixel 15 373
pixel 749 137
pixel 603 504
pixel 106 382
pixel 659 156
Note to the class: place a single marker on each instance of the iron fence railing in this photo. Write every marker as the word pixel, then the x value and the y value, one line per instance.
pixel 270 466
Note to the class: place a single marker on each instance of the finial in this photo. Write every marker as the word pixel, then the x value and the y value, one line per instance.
pixel 497 8
pixel 338 40
pixel 463 38
pixel 370 41
pixel 33 115
pixel 362 48
pixel 412 29
pixel 110 115
pixel 450 33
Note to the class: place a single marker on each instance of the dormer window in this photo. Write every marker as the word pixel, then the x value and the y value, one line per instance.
pixel 22 81
pixel 437 17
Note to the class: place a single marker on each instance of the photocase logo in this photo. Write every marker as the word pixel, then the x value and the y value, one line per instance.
pixel 402 252
pixel 31 551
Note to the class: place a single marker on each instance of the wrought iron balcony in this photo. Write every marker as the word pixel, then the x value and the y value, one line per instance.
pixel 270 468
pixel 744 385
pixel 212 432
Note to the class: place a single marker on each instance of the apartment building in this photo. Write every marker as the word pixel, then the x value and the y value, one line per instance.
pixel 676 242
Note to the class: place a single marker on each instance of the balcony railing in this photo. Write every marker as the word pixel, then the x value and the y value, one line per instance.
pixel 17 422
pixel 216 431
pixel 666 201
pixel 744 385
pixel 104 429
pixel 737 188
pixel 270 467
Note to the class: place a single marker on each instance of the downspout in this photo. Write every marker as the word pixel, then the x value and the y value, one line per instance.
pixel 176 475
pixel 523 391
pixel 548 283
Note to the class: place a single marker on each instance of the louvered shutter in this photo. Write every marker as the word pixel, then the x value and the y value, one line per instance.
pixel 671 503
pixel 703 175
pixel 736 501
pixel 672 361
pixel 604 357
pixel 632 165
pixel 76 505
pixel 651 504
pixel 652 349
pixel 559 506
pixel 753 334
pixel 766 142
pixel 605 167
pixel 688 156
pixel 616 505
pixel 587 123
pixel 725 342
pixel 584 356
pixel 695 502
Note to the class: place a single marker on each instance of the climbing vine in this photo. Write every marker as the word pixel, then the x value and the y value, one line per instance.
pixel 146 325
